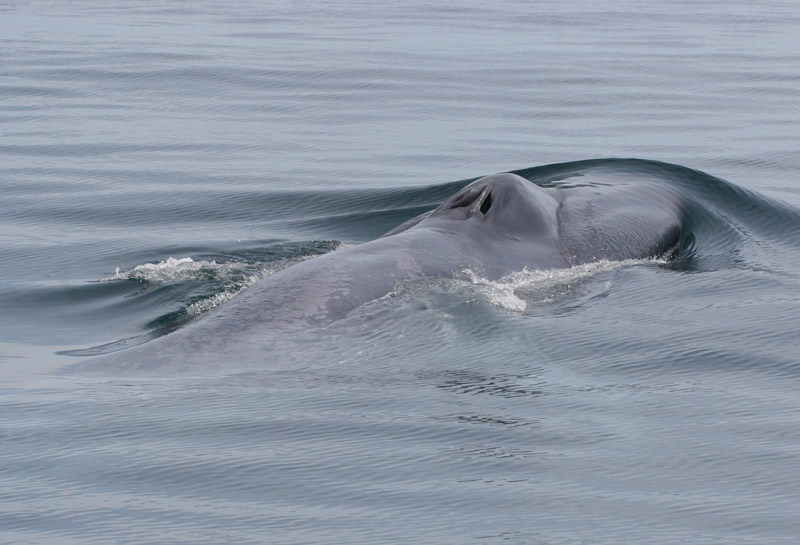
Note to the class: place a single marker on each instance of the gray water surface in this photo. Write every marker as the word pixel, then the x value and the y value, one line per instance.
pixel 158 157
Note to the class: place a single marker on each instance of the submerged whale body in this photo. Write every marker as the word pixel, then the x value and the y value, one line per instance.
pixel 494 226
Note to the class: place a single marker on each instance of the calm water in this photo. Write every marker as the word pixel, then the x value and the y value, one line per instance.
pixel 157 158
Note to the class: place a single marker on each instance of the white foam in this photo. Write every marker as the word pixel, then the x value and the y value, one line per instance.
pixel 185 268
pixel 235 276
pixel 204 305
pixel 170 270
pixel 514 291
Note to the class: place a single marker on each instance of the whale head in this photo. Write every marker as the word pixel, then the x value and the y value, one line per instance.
pixel 503 204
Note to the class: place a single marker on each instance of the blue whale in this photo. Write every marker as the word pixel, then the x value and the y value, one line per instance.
pixel 494 226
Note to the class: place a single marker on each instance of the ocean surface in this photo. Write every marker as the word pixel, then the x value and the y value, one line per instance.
pixel 157 158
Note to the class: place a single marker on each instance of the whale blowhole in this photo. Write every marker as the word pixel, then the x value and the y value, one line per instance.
pixel 487 203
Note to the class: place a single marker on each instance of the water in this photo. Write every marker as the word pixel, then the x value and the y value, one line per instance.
pixel 158 158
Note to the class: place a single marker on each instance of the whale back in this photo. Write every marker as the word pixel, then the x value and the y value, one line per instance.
pixel 618 216
pixel 579 219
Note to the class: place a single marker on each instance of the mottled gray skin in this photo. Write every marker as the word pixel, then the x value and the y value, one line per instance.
pixel 496 225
